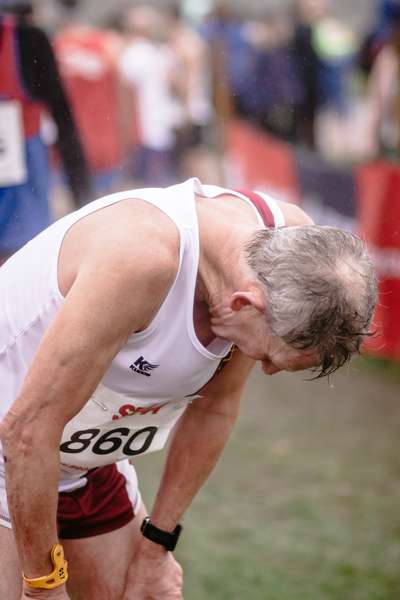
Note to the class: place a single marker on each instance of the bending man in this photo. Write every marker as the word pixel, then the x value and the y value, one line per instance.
pixel 116 324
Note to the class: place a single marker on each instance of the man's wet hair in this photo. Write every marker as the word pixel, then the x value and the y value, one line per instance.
pixel 321 289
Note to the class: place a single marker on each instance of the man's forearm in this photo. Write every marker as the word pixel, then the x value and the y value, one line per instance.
pixel 198 441
pixel 32 474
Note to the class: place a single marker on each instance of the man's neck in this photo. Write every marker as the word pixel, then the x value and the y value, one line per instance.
pixel 224 229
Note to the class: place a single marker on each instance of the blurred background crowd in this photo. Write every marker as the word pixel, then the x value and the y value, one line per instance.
pixel 137 94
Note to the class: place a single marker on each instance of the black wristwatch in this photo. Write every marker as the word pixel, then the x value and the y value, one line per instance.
pixel 168 539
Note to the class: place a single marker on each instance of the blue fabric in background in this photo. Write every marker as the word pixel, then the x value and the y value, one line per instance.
pixel 24 209
pixel 238 53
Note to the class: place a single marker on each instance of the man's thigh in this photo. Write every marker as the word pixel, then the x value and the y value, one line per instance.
pixel 98 565
pixel 10 571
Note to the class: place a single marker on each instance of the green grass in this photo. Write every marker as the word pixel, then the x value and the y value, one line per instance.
pixel 304 504
pixel 381 365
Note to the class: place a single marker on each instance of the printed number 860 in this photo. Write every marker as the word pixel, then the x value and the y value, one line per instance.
pixel 110 441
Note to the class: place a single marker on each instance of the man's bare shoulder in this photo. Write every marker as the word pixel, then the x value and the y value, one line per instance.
pixel 130 239
pixel 294 215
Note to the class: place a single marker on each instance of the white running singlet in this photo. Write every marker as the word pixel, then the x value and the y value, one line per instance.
pixel 154 376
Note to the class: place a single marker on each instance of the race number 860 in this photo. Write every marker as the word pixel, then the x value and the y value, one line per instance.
pixel 110 441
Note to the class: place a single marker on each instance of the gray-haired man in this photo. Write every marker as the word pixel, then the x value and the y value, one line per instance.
pixel 115 324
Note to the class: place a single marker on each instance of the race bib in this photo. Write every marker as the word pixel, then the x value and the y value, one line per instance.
pixel 112 427
pixel 13 169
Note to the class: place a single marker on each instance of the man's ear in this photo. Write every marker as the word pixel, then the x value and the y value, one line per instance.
pixel 249 298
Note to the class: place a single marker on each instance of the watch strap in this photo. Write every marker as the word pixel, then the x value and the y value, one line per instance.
pixel 168 539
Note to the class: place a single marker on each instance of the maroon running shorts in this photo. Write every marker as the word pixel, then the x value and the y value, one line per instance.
pixel 101 506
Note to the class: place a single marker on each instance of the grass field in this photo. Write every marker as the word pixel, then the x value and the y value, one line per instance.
pixel 304 504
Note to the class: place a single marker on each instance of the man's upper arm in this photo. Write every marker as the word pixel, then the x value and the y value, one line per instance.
pixel 111 297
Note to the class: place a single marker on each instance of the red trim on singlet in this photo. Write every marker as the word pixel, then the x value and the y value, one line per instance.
pixel 261 206
pixel 101 506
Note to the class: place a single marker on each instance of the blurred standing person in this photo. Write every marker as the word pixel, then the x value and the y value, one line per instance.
pixel 383 92
pixel 324 50
pixel 232 58
pixel 232 68
pixel 375 38
pixel 306 13
pixel 148 64
pixel 115 27
pixel 88 59
pixel 275 87
pixel 335 45
pixel 194 89
pixel 29 84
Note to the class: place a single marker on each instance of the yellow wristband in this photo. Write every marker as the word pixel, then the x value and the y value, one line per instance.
pixel 59 575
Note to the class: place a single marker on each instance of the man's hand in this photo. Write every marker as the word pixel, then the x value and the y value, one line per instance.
pixel 59 593
pixel 157 577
